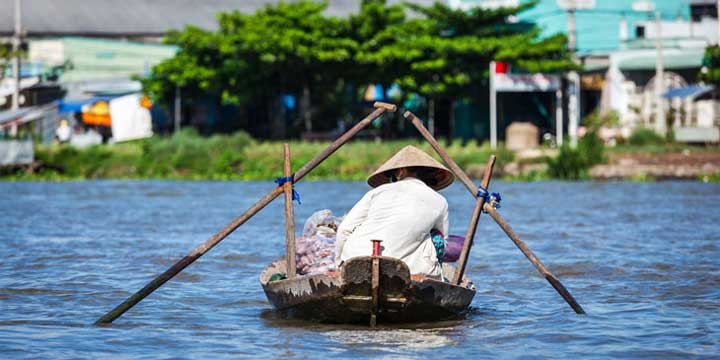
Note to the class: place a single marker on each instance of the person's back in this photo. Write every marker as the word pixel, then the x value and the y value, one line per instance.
pixel 401 213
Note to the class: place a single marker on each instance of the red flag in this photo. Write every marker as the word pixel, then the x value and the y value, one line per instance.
pixel 501 67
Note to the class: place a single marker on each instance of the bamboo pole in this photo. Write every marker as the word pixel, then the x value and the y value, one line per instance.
pixel 472 227
pixel 289 218
pixel 199 251
pixel 460 174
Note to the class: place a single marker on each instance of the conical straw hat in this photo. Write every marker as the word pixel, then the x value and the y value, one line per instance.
pixel 411 156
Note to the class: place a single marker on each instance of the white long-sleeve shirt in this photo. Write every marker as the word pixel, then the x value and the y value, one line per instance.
pixel 401 214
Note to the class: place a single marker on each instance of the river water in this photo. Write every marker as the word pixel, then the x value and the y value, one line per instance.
pixel 642 258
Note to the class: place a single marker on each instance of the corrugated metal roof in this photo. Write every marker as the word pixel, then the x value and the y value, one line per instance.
pixel 691 91
pixel 135 17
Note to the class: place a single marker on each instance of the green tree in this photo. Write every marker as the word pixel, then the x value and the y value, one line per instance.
pixel 293 48
pixel 287 48
pixel 446 52
pixel 195 68
pixel 710 72
pixel 5 52
pixel 376 29
pixel 6 57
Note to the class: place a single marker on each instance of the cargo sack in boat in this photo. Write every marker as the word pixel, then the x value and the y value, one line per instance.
pixel 315 250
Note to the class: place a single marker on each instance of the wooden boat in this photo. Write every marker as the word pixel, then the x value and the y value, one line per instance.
pixel 368 288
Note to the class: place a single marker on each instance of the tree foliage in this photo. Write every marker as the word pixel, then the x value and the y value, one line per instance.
pixel 711 66
pixel 6 55
pixel 447 50
pixel 295 48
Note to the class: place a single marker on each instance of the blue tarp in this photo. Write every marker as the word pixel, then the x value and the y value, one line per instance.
pixel 691 91
pixel 76 105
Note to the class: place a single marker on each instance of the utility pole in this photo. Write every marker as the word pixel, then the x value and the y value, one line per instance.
pixel 571 30
pixel 574 79
pixel 660 125
pixel 16 42
pixel 717 7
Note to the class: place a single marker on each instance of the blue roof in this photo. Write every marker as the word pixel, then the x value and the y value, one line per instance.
pixel 691 91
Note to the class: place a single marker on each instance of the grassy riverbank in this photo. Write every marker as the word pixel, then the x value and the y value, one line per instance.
pixel 224 157
pixel 188 156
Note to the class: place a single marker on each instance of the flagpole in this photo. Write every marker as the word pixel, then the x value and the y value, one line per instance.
pixel 559 115
pixel 493 110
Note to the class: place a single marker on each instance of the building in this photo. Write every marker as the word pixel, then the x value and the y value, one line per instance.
pixel 672 48
pixel 616 42
pixel 100 47
pixel 97 65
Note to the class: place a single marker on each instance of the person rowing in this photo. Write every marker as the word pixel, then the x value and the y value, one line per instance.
pixel 402 210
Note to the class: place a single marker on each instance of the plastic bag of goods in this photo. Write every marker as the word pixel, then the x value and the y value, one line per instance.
pixel 453 248
pixel 315 250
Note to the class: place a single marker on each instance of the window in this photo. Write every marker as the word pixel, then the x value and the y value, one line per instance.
pixel 640 32
pixel 698 11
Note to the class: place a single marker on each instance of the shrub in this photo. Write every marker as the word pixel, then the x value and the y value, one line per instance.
pixel 574 164
pixel 186 152
pixel 569 164
pixel 644 136
pixel 188 155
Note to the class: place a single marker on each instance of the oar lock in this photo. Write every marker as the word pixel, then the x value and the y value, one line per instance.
pixel 492 199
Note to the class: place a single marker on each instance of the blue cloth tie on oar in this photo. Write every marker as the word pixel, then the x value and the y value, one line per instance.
pixel 282 180
pixel 483 193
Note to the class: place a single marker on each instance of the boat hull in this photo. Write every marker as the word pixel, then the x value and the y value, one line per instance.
pixel 347 297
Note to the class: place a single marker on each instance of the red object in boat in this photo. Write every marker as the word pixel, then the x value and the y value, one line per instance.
pixel 376 248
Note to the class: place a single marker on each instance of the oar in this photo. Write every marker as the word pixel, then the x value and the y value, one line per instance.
pixel 289 218
pixel 199 251
pixel 554 281
pixel 470 235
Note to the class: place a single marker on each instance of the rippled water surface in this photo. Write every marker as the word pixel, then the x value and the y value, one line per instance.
pixel 642 258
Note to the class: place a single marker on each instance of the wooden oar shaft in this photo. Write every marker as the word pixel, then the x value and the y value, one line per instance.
pixel 229 228
pixel 289 218
pixel 188 259
pixel 380 108
pixel 552 279
pixel 460 174
pixel 470 235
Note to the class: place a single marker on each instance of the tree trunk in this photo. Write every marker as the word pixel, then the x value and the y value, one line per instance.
pixel 451 121
pixel 278 129
pixel 305 107
pixel 431 115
